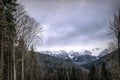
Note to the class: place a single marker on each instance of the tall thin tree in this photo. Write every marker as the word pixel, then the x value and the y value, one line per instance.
pixel 115 31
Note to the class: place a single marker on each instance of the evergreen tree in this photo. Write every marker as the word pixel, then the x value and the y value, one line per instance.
pixel 2 26
pixel 73 74
pixel 93 73
pixel 105 74
pixel 7 31
pixel 10 8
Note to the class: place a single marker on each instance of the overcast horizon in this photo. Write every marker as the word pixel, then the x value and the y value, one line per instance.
pixel 72 25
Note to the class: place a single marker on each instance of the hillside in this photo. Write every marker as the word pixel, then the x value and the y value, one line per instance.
pixel 84 59
pixel 108 59
pixel 111 61
pixel 49 64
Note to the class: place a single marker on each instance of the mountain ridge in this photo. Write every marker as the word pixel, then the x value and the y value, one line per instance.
pixel 77 57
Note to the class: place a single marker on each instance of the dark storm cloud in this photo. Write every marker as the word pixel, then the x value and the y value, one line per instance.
pixel 72 21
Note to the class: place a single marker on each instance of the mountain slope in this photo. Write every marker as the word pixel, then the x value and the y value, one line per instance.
pixel 84 59
pixel 103 53
pixel 111 61
pixel 49 64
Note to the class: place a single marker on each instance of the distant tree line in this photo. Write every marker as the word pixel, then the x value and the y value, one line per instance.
pixel 65 73
pixel 74 73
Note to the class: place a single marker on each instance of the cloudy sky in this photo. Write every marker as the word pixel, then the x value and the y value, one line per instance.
pixel 72 24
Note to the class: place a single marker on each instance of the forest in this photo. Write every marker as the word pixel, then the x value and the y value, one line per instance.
pixel 19 60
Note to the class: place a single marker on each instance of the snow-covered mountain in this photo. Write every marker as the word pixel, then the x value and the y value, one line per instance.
pixel 103 53
pixel 67 54
pixel 84 59
pixel 78 57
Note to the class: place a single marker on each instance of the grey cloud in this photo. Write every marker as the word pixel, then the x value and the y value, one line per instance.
pixel 70 22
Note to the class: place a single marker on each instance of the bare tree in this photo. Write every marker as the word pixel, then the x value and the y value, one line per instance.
pixel 112 47
pixel 27 27
pixel 27 31
pixel 115 31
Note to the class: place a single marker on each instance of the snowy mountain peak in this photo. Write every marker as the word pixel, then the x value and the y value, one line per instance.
pixel 78 57
pixel 71 54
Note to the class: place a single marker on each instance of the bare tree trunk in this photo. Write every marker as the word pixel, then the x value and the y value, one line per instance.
pixel 8 69
pixel 119 51
pixel 68 77
pixel 2 58
pixel 1 41
pixel 11 68
pixel 22 73
pixel 0 47
pixel 14 63
pixel 119 39
pixel 33 66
